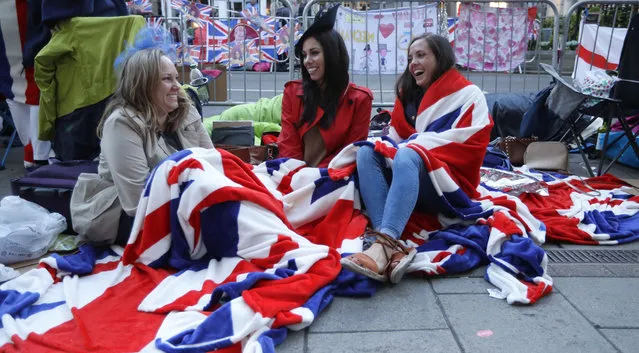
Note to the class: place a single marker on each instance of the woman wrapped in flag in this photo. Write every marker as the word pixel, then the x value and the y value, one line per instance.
pixel 440 128
pixel 323 112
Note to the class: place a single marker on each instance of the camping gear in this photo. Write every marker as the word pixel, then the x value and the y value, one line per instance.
pixel 252 154
pixel 50 186
pixel 515 147
pixel 623 102
pixel 238 133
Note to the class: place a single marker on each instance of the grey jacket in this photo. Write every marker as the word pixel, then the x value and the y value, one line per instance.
pixel 129 152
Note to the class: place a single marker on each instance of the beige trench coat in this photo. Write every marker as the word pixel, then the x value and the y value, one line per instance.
pixel 128 154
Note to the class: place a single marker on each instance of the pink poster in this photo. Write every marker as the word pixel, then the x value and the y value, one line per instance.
pixel 490 38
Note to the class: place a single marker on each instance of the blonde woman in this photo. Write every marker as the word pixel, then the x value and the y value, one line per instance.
pixel 148 118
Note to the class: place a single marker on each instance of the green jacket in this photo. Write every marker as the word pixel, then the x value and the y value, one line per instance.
pixel 75 69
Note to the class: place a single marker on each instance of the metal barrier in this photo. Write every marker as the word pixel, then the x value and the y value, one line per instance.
pixel 584 53
pixel 212 42
pixel 549 46
pixel 521 75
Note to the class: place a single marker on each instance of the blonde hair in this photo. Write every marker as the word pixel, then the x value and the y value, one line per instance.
pixel 138 78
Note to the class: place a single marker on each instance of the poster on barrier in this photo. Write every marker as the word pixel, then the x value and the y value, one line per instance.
pixel 377 41
pixel 491 38
pixel 238 44
pixel 602 54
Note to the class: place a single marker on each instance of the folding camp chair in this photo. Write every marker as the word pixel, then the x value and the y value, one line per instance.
pixel 9 145
pixel 565 100
pixel 4 110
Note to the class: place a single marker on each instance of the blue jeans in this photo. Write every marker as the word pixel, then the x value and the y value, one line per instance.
pixel 390 196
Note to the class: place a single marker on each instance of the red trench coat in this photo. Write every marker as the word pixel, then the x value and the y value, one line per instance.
pixel 350 125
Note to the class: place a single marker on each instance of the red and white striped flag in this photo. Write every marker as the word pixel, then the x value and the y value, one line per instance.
pixel 599 48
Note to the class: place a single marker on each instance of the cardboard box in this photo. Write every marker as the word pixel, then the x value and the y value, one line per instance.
pixel 217 87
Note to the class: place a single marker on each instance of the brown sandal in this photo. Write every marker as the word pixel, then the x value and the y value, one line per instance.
pixel 399 264
pixel 364 265
pixel 397 255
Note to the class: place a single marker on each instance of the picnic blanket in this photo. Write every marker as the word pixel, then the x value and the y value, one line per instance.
pixel 229 258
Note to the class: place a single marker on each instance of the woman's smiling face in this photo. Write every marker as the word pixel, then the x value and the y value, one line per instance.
pixel 313 59
pixel 421 63
pixel 166 95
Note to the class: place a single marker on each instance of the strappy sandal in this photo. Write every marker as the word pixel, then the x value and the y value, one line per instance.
pixel 397 255
pixel 399 264
pixel 364 265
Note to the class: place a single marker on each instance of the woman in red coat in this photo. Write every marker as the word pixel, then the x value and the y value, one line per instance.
pixel 323 112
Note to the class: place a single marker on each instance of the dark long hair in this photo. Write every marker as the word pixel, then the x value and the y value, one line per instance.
pixel 406 88
pixel 335 80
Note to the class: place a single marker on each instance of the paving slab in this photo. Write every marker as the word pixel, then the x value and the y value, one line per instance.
pixel 627 340
pixel 461 285
pixel 410 305
pixel 294 343
pixel 606 302
pixel 383 342
pixel 484 324
pixel 624 270
pixel 579 270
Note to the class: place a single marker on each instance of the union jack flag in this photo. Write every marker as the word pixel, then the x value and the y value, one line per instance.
pixel 282 38
pixel 218 54
pixel 266 24
pixel 139 7
pixel 200 13
pixel 220 33
pixel 194 54
pixel 244 53
pixel 452 27
pixel 155 20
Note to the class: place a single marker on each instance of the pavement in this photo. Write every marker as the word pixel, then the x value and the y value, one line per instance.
pixel 593 307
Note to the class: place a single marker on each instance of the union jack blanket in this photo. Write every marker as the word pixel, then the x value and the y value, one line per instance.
pixel 595 211
pixel 215 261
pixel 228 256
pixel 475 226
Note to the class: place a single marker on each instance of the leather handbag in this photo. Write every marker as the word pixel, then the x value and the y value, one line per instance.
pixel 546 155
pixel 515 147
pixel 252 154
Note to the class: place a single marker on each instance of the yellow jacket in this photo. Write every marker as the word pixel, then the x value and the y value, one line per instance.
pixel 75 69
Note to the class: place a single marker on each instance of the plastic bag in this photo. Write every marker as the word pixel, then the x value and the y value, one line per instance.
pixel 27 230
pixel 7 273
pixel 512 183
